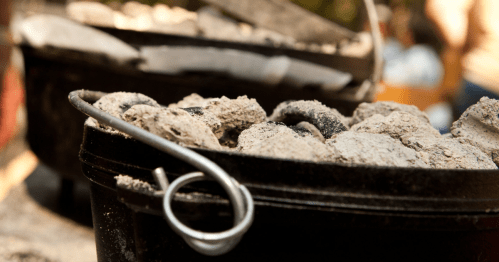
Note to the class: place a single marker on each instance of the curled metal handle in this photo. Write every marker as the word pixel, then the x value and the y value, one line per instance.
pixel 242 202
pixel 212 244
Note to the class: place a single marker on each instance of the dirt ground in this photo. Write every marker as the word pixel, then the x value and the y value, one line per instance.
pixel 35 227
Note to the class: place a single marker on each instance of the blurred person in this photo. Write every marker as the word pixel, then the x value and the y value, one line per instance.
pixel 413 70
pixel 470 29
pixel 411 58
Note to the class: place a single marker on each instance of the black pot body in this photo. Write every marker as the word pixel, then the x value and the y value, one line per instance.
pixel 130 225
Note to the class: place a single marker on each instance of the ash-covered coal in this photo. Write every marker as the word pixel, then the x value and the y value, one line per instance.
pixel 352 147
pixel 385 108
pixel 211 120
pixel 327 120
pixel 479 126
pixel 174 124
pixel 226 117
pixel 118 103
pixel 277 140
pixel 192 100
pixel 235 115
pixel 396 124
pixel 382 134
pixel 206 22
pixel 448 153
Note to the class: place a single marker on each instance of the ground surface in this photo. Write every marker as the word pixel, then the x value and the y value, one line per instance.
pixel 34 227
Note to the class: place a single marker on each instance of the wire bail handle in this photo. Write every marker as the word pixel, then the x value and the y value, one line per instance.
pixel 211 244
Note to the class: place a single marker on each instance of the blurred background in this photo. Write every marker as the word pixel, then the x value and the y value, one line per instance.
pixel 423 66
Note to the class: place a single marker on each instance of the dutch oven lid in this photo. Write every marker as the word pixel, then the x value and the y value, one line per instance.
pixel 356 187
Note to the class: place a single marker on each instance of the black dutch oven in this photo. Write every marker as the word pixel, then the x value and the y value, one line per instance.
pixel 303 210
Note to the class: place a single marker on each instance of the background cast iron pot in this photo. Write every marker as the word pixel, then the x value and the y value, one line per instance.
pixel 54 131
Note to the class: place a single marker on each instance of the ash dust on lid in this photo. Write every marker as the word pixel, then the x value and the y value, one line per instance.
pixel 129 182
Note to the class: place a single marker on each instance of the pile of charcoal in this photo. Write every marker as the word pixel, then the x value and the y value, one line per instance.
pixel 381 133
pixel 206 22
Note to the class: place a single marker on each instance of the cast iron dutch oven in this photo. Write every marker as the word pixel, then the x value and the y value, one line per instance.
pixel 303 210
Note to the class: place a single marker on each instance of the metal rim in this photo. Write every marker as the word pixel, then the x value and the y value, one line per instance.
pixel 208 243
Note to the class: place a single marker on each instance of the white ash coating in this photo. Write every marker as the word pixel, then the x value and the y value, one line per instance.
pixel 262 131
pixel 135 9
pixel 276 140
pixel 117 103
pixel 212 121
pixel 174 124
pixel 327 120
pixel 192 100
pixel 479 126
pixel 372 149
pixel 223 115
pixel 163 14
pixel 236 114
pixel 385 108
pixel 213 24
pixel 395 125
pixel 448 153
pixel 91 12
pixel 206 22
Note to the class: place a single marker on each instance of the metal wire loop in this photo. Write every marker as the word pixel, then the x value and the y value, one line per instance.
pixel 212 244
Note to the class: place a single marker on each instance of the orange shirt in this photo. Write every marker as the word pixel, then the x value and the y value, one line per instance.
pixel 420 97
pixel 11 97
